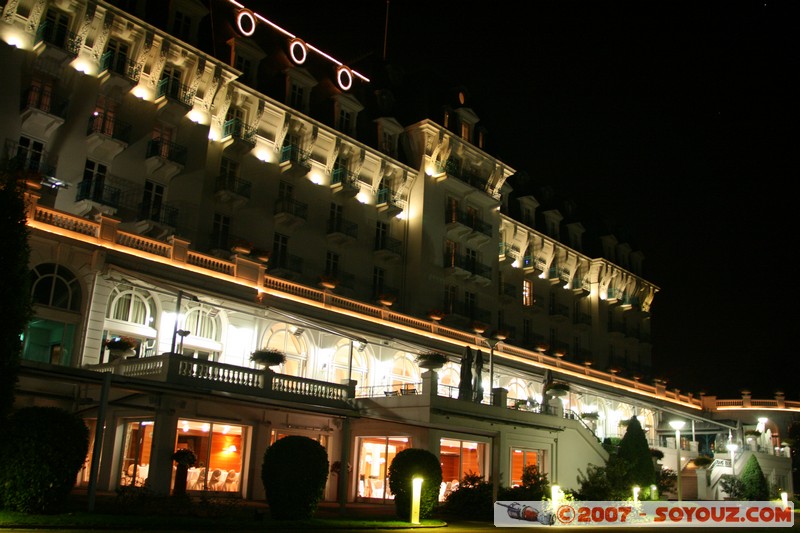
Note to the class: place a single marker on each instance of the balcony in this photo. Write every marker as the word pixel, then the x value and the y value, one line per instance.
pixel 41 113
pixel 480 274
pixel 294 161
pixel 386 203
pixel 583 321
pixel 341 231
pixel 117 72
pixel 455 265
pixel 106 136
pixel 344 182
pixel 461 224
pixel 232 190
pixel 388 249
pixel 287 266
pixel 237 137
pixel 146 217
pixel 467 312
pixel 173 100
pixel 508 293
pixel 97 195
pixel 197 374
pixel 454 167
pixel 28 164
pixel 55 43
pixel 164 160
pixel 559 312
pixel 507 254
pixel 290 213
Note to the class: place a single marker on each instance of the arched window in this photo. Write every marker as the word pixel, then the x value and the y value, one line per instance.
pixel 131 304
pixel 448 380
pixel 280 337
pixel 404 371
pixel 341 364
pixel 51 336
pixel 518 390
pixel 203 321
pixel 55 286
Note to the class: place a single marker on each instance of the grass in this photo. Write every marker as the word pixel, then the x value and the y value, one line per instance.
pixel 140 511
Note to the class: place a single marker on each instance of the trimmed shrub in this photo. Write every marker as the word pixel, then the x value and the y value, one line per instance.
pixel 535 486
pixel 294 473
pixel 406 465
pixel 472 499
pixel 756 488
pixel 635 450
pixel 732 486
pixel 43 450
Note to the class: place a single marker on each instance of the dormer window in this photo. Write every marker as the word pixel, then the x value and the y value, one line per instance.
pixel 245 57
pixel 299 84
pixel 465 131
pixel 184 19
pixel 388 134
pixel 346 110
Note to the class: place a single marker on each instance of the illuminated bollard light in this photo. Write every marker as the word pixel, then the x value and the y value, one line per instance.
pixel 555 496
pixel 653 492
pixel 416 494
pixel 785 499
pixel 636 494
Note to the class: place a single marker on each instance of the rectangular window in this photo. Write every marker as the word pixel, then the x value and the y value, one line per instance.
pixel 297 97
pixel 378 276
pixel 152 201
pixel 470 303
pixel 450 298
pixel 459 458
pixel 527 293
pixel 220 230
pixel 527 331
pixel 520 459
pixel 137 444
pixel 331 264
pixel 219 451
pixel 375 454
pixel 280 251
pixel 285 190
pixel 345 120
pixel 181 26
pixel 381 235
pixel 94 176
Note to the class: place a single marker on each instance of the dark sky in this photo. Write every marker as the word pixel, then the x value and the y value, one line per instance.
pixel 677 119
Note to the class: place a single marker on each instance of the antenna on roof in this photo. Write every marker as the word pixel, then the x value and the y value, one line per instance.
pixel 386 31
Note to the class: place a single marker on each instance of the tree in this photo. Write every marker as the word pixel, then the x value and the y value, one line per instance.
pixel 14 292
pixel 294 473
pixel 636 452
pixel 406 465
pixel 43 450
pixel 756 488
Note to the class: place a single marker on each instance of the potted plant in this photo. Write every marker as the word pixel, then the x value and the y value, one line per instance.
pixel 241 246
pixel 542 347
pixel 386 299
pixel 590 415
pixel 702 461
pixel 268 357
pixel 557 389
pixel 328 281
pixel 185 458
pixel 120 347
pixel 431 360
pixel 435 315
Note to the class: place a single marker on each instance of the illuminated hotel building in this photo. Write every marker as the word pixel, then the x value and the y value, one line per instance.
pixel 207 206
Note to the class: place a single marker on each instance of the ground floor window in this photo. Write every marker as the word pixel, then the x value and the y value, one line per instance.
pixel 218 447
pixel 459 458
pixel 375 454
pixel 521 458
pixel 137 446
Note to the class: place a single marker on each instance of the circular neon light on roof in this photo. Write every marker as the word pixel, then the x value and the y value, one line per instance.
pixel 246 22
pixel 298 51
pixel 344 77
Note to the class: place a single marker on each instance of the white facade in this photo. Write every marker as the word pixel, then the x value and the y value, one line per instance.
pixel 172 203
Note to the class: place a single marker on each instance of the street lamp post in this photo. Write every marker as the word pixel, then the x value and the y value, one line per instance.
pixel 677 425
pixel 732 448
pixel 493 341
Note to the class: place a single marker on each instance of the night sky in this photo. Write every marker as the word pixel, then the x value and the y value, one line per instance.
pixel 676 120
